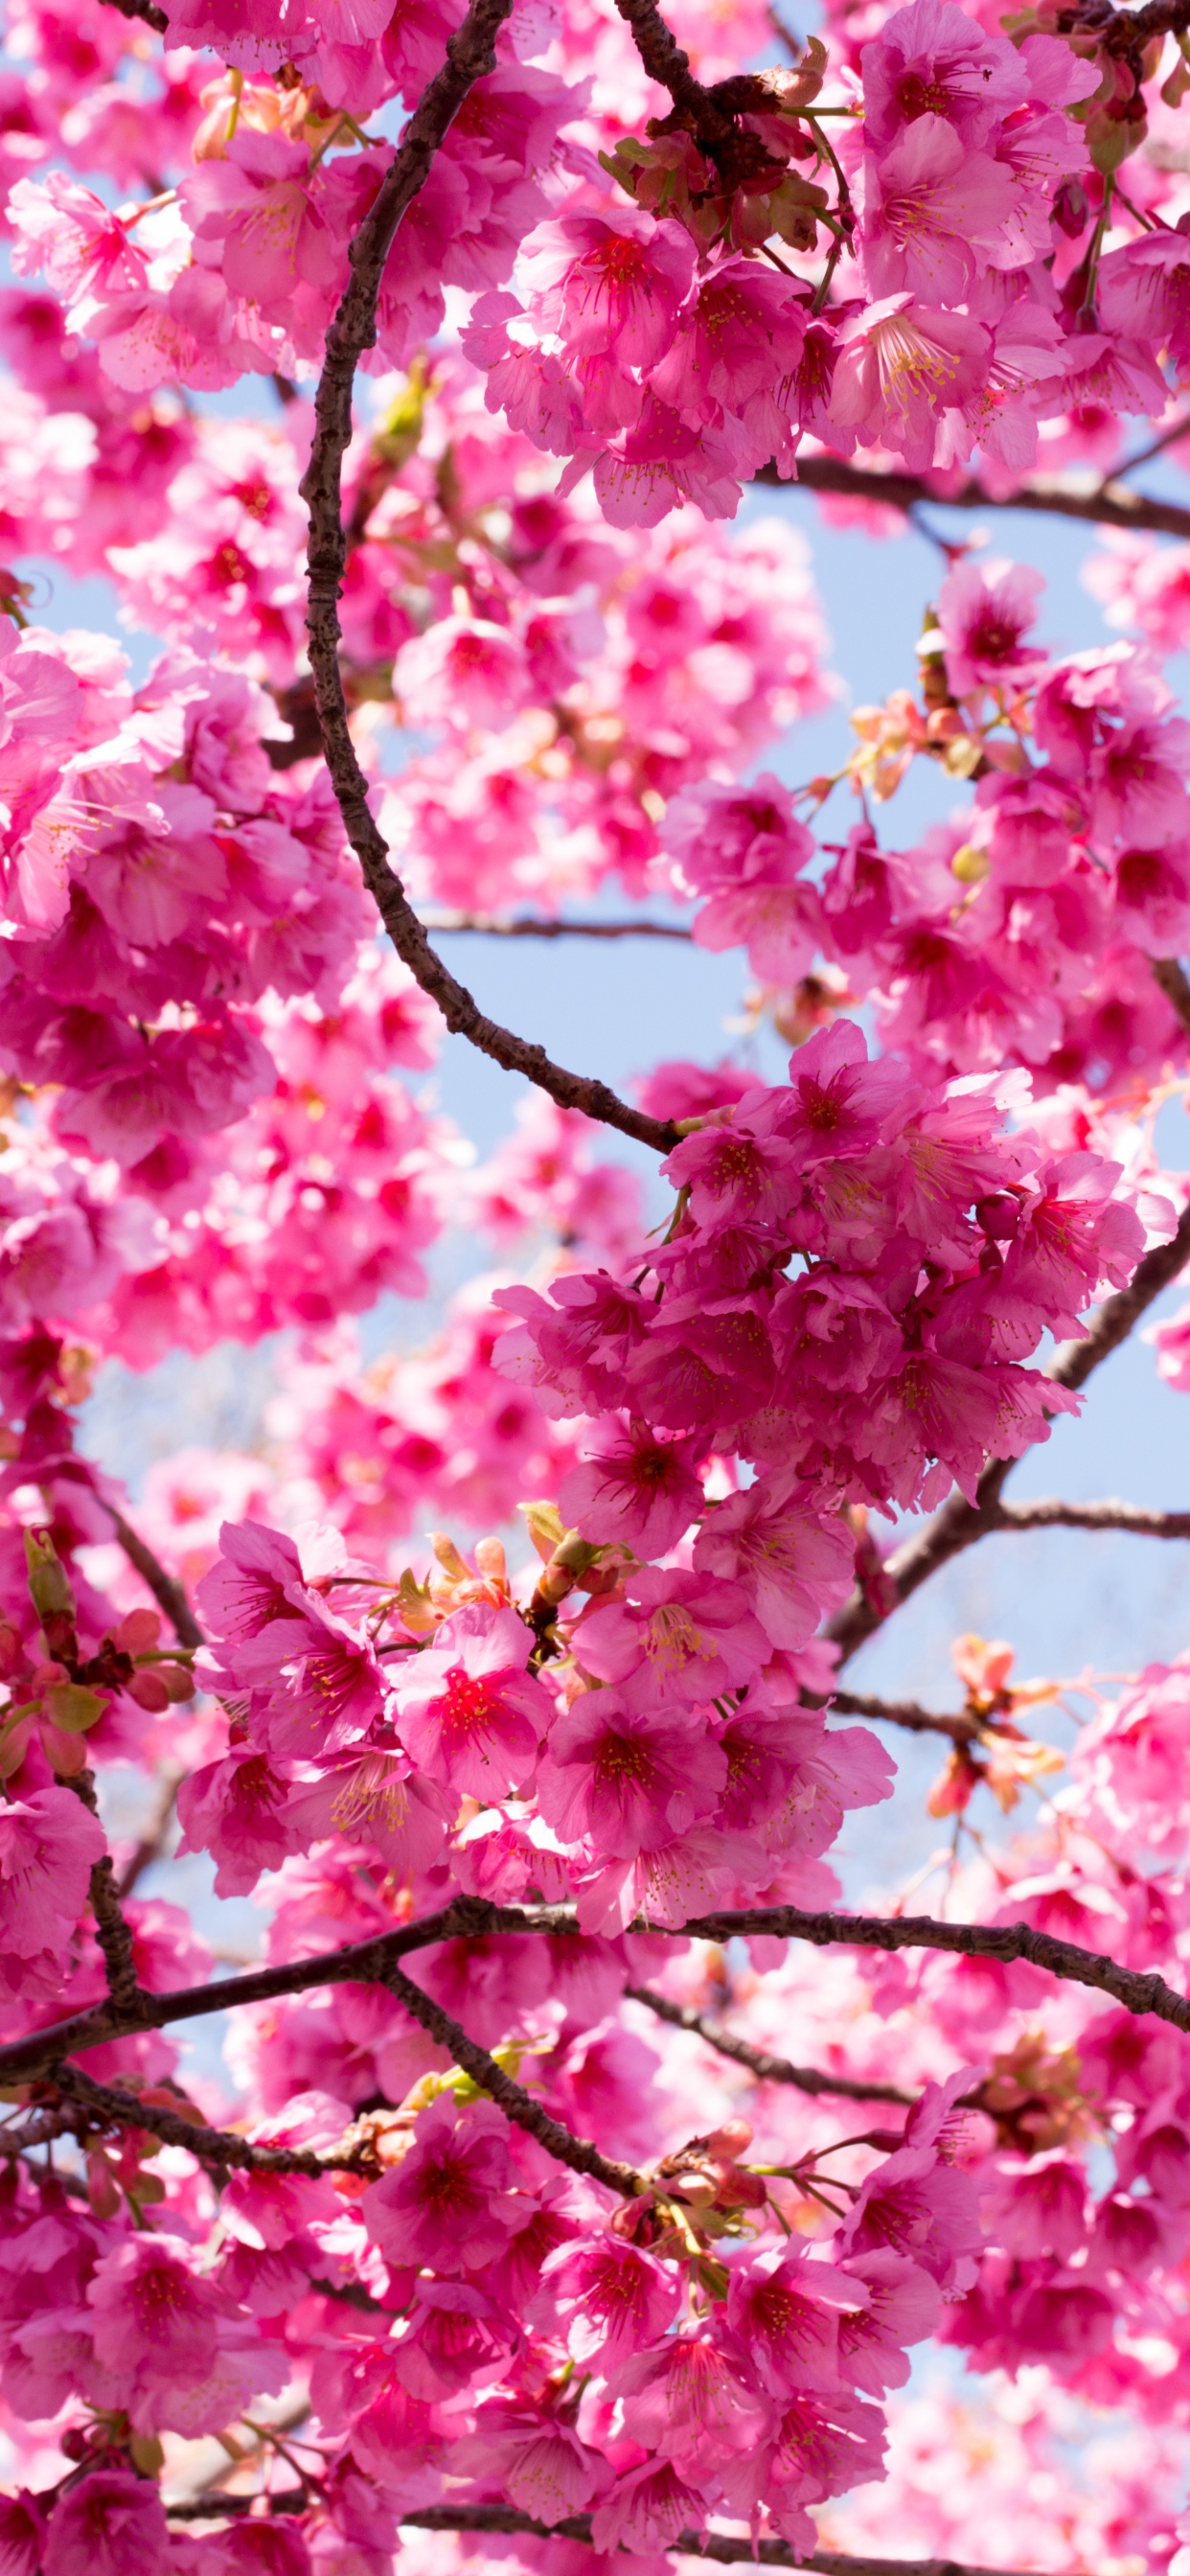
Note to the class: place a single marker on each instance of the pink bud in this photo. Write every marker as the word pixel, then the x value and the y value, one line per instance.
pixel 149 1691
pixel 731 2139
pixel 138 1633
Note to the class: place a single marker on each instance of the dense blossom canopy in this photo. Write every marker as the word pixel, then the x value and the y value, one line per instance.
pixel 556 2203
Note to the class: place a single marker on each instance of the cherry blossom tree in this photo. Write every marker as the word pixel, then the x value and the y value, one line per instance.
pixel 402 372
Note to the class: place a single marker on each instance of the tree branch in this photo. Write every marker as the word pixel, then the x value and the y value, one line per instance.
pixel 146 9
pixel 1175 984
pixel 362 1962
pixel 526 928
pixel 470 53
pixel 767 2069
pixel 1128 31
pixel 722 2548
pixel 666 64
pixel 514 2101
pixel 105 2106
pixel 959 1523
pixel 373 1962
pixel 165 1588
pixel 111 1930
pixel 1049 1513
pixel 960 1727
pixel 1104 505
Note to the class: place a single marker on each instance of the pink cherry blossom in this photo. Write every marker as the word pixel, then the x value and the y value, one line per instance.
pixel 634 1487
pixel 467 1711
pixel 447 2202
pixel 111 2523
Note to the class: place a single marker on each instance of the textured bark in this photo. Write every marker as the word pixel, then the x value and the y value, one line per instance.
pixel 373 1962
pixel 103 2107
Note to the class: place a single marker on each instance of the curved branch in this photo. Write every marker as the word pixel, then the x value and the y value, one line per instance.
pixel 165 1588
pixel 512 2098
pixel 492 927
pixel 959 1523
pixel 373 1962
pixel 1103 505
pixel 470 53
pixel 767 2069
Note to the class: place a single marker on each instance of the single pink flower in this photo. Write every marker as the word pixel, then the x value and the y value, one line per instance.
pixel 153 2317
pixel 48 1847
pixel 611 282
pixel 931 59
pixel 901 2305
pixel 22 2535
pixel 628 1777
pixel 935 214
pixel 793 1563
pixel 455 2339
pixel 695 1638
pixel 535 2457
pixel 249 1584
pixel 984 612
pixel 691 2401
pixel 901 364
pixel 110 2524
pixel 783 2311
pixel 467 1712
pixel 446 2203
pixel 646 2511
pixel 633 1487
pixel 608 2297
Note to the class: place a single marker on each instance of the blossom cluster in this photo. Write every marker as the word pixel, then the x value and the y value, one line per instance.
pixel 647 334
pixel 528 2209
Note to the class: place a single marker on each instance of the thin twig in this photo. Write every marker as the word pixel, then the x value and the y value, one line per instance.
pixel 1168 438
pixel 372 1962
pixel 152 1843
pixel 165 1588
pixel 959 1524
pixel 960 1726
pixel 514 2101
pixel 470 53
pixel 759 2062
pixel 492 927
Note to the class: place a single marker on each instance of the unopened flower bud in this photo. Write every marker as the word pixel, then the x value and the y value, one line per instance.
pixel 49 1587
